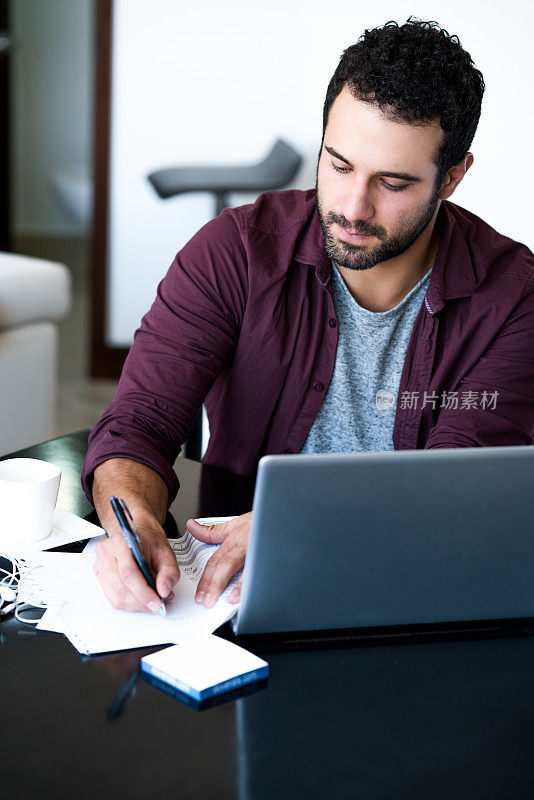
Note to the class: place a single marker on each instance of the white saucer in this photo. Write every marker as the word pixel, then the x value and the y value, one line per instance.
pixel 66 528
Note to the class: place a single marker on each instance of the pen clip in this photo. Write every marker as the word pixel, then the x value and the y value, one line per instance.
pixel 130 519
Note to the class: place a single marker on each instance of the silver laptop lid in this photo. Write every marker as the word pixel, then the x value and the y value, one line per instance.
pixel 400 537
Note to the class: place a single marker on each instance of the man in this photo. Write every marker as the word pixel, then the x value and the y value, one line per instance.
pixel 369 314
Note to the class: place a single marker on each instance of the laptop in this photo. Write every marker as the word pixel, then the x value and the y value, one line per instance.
pixel 390 538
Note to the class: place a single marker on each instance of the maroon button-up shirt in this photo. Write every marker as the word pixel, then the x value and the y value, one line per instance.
pixel 244 321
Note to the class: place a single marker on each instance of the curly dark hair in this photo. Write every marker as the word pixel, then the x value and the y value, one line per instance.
pixel 416 73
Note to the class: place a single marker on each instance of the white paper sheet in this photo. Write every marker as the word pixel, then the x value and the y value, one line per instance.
pixel 53 578
pixel 93 626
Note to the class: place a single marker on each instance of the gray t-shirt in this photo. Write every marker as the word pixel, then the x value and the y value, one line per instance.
pixel 358 411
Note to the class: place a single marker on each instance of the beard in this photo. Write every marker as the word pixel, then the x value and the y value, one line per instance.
pixel 358 257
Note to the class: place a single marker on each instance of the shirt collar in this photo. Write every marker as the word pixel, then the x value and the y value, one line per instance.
pixel 310 247
pixel 452 276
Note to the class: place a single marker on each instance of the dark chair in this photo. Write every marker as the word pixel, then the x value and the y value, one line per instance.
pixel 276 170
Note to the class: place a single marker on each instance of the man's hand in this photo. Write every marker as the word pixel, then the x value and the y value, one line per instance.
pixel 146 496
pixel 121 578
pixel 229 558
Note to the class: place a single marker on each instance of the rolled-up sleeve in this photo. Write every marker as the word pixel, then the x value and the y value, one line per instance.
pixel 179 350
pixel 498 392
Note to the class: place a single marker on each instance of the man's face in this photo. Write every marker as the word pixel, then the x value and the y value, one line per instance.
pixel 376 183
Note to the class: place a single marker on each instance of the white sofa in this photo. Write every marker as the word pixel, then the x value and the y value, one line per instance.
pixel 34 294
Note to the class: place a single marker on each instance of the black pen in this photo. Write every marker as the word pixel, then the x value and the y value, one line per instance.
pixel 125 692
pixel 133 541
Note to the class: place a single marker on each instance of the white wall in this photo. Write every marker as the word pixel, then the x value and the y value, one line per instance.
pixel 214 82
pixel 51 94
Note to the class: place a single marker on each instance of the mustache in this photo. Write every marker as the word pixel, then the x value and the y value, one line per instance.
pixel 361 226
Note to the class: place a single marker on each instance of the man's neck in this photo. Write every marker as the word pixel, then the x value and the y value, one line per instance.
pixel 384 286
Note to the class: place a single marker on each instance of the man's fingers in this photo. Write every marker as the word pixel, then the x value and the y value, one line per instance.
pixel 118 595
pixel 211 534
pixel 132 577
pixel 165 568
pixel 235 594
pixel 221 566
pixel 121 579
pixel 228 559
pixel 215 534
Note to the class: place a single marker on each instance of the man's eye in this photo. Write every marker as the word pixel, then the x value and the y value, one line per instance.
pixel 343 170
pixel 393 188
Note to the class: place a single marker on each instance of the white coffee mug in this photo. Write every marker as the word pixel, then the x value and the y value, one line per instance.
pixel 28 495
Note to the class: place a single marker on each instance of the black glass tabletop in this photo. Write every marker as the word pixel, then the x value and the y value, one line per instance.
pixel 422 717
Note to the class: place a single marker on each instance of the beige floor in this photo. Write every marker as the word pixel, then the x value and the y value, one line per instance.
pixel 80 399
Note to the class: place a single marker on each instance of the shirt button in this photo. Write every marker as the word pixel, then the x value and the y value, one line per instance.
pixel 332 322
pixel 318 386
pixel 288 451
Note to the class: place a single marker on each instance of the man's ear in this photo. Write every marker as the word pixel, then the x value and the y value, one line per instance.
pixel 455 175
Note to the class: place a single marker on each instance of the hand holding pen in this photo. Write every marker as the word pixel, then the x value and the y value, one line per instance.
pixel 133 541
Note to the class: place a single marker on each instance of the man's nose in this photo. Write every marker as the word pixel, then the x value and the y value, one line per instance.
pixel 358 203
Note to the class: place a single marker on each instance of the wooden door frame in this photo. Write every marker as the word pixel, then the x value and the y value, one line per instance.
pixel 5 122
pixel 106 361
